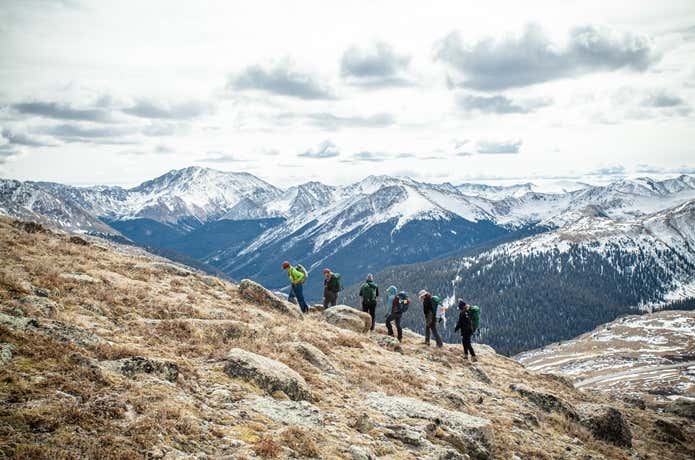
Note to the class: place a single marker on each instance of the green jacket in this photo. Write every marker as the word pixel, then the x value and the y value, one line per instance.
pixel 295 275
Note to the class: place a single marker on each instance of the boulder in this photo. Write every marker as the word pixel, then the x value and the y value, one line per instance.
pixel 300 413
pixel 467 432
pixel 267 373
pixel 388 342
pixel 480 374
pixel 546 401
pixel 130 367
pixel 45 305
pixel 313 355
pixel 6 353
pixel 254 292
pixel 606 423
pixel 360 453
pixel 669 431
pixel 80 277
pixel 347 317
pixel 78 240
pixel 20 323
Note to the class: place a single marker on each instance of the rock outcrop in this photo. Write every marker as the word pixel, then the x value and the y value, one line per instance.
pixel 346 317
pixel 130 367
pixel 266 373
pixel 606 423
pixel 313 355
pixel 546 401
pixel 254 292
pixel 467 432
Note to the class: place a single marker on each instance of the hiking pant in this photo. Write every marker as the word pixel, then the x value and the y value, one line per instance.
pixel 298 292
pixel 369 306
pixel 431 328
pixel 330 298
pixel 467 346
pixel 396 317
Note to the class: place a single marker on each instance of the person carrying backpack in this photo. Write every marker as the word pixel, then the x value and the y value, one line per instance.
pixel 429 308
pixel 466 324
pixel 399 305
pixel 332 284
pixel 297 276
pixel 370 293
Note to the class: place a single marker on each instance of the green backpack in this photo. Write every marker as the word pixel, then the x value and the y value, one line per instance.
pixel 301 268
pixel 335 284
pixel 436 300
pixel 369 291
pixel 475 317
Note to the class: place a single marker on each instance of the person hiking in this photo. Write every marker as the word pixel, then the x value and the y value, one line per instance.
pixel 430 310
pixel 370 293
pixel 467 328
pixel 331 286
pixel 297 276
pixel 399 305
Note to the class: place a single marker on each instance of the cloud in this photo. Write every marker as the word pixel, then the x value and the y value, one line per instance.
pixel 24 139
pixel 490 147
pixel 71 132
pixel 370 156
pixel 60 111
pixel 186 110
pixel 325 149
pixel 334 122
pixel 377 65
pixel 662 99
pixel 531 58
pixel 281 79
pixel 608 171
pixel 498 104
pixel 219 157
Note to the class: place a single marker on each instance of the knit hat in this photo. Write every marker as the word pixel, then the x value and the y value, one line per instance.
pixel 370 277
pixel 326 270
pixel 285 265
pixel 422 294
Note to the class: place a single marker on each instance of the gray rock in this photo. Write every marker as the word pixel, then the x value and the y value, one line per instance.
pixel 255 293
pixel 546 401
pixel 606 423
pixel 69 333
pixel 41 292
pixel 474 434
pixel 406 435
pixel 300 413
pixel 20 323
pixel 360 453
pixel 172 269
pixel 45 305
pixel 78 240
pixel 130 367
pixel 6 353
pixel 267 373
pixel 346 317
pixel 480 374
pixel 80 277
pixel 670 431
pixel 388 342
pixel 313 355
pixel 363 424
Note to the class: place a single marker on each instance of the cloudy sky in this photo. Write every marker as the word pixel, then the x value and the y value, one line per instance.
pixel 101 92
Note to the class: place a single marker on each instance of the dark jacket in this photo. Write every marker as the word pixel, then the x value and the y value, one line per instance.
pixel 428 305
pixel 332 284
pixel 465 323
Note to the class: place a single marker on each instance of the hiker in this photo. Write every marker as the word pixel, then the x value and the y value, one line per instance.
pixel 331 286
pixel 370 293
pixel 399 305
pixel 466 325
pixel 429 309
pixel 297 276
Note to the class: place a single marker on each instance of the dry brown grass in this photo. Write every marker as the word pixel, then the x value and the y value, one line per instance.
pixel 267 447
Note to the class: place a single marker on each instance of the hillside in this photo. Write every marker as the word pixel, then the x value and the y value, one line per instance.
pixel 110 352
pixel 558 284
pixel 649 356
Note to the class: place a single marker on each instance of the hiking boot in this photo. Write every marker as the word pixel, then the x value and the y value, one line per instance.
pixel 426 343
pixel 474 359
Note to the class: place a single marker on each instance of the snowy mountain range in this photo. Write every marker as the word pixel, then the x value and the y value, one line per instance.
pixel 244 225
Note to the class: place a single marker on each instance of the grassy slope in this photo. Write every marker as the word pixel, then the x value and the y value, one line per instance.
pixel 59 398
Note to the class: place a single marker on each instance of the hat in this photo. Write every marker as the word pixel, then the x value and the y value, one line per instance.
pixel 370 277
pixel 326 270
pixel 285 265
pixel 422 294
pixel 462 304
